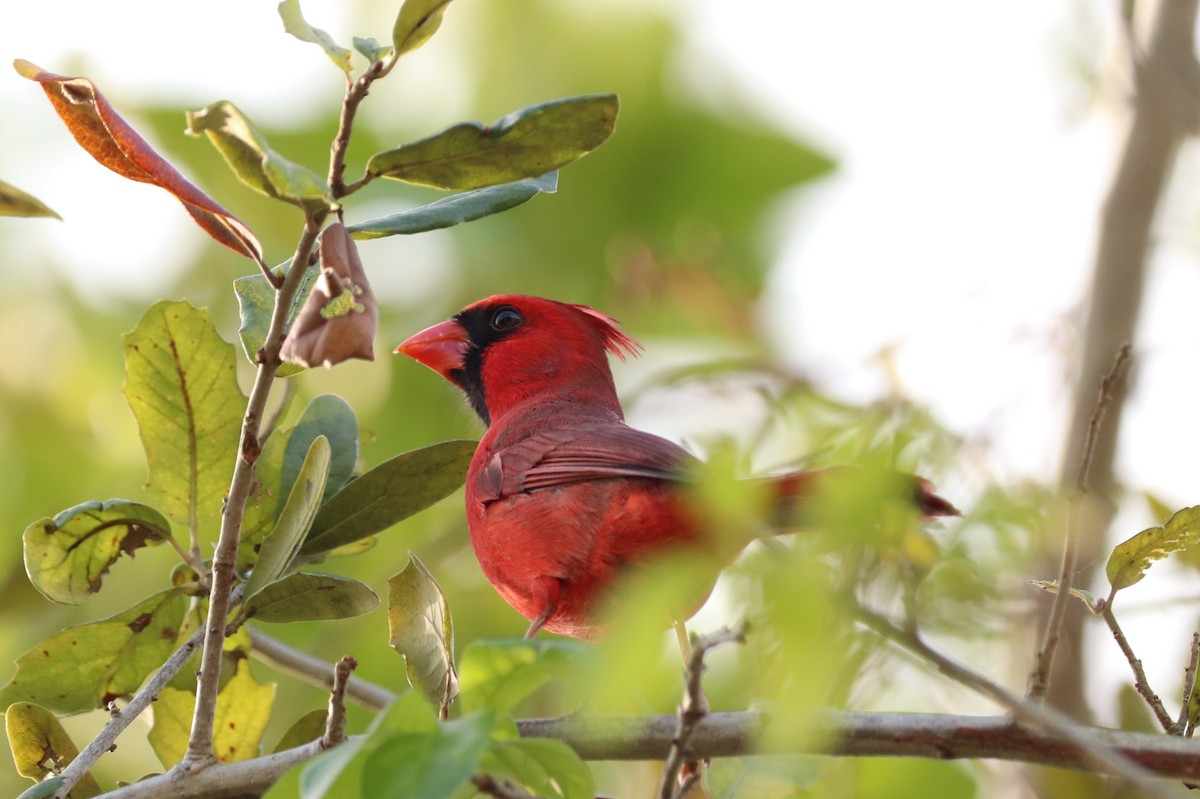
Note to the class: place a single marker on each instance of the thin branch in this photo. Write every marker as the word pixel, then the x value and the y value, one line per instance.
pixel 356 92
pixel 335 721
pixel 1040 679
pixel 1184 725
pixel 315 671
pixel 199 752
pixel 692 710
pixel 1101 756
pixel 117 723
pixel 1135 663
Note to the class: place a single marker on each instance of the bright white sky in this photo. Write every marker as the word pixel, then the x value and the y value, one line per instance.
pixel 972 163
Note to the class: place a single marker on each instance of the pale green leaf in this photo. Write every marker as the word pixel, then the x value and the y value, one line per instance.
pixel 372 50
pixel 83 667
pixel 422 630
pixel 499 675
pixel 256 304
pixel 280 545
pixel 266 498
pixel 525 144
pixel 304 596
pixel 181 384
pixel 294 23
pixel 389 493
pixel 66 557
pixel 417 21
pixel 1129 560
pixel 14 202
pixel 1087 597
pixel 456 208
pixel 41 747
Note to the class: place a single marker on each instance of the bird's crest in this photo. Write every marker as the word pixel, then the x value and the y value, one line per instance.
pixel 616 341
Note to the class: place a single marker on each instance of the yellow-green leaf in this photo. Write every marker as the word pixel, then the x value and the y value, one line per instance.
pixel 83 667
pixel 14 202
pixel 305 729
pixel 181 384
pixel 66 557
pixel 41 747
pixel 1129 560
pixel 417 21
pixel 525 144
pixel 295 24
pixel 423 632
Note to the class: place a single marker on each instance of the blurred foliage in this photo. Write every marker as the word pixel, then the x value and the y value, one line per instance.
pixel 662 228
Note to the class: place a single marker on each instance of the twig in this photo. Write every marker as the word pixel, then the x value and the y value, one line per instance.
pixel 335 721
pixel 315 671
pixel 199 752
pixel 356 92
pixel 486 784
pixel 1135 663
pixel 1101 756
pixel 692 711
pixel 117 723
pixel 1040 679
pixel 1184 725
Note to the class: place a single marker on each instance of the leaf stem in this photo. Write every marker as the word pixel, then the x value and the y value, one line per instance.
pixel 199 752
pixel 1135 663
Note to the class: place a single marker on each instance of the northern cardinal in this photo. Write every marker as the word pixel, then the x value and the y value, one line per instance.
pixel 562 496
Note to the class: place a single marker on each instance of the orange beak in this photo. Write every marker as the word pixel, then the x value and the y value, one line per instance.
pixel 442 347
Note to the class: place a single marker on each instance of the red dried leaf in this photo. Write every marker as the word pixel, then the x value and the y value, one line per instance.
pixel 339 318
pixel 109 139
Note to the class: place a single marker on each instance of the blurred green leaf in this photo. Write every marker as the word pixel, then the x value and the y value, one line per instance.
pixel 83 667
pixel 251 158
pixel 525 144
pixel 256 304
pixel 372 50
pixel 266 498
pixel 499 675
pixel 41 747
pixel 431 765
pixel 392 491
pixel 304 596
pixel 295 24
pixel 305 729
pixel 457 208
pixel 67 557
pixel 14 202
pixel 1086 597
pixel 280 546
pixel 330 416
pixel 422 631
pixel 417 21
pixel 1131 558
pixel 181 384
pixel 765 777
pixel 545 768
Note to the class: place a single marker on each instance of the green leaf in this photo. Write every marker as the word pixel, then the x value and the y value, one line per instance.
pixel 417 21
pixel 14 202
pixel 373 50
pixel 499 675
pixel 67 557
pixel 545 768
pixel 1087 597
pixel 256 304
pixel 83 667
pixel 389 493
pixel 1129 560
pixel 525 144
pixel 294 23
pixel 243 709
pixel 266 498
pixel 305 729
pixel 251 158
pixel 312 597
pixel 41 747
pixel 181 384
pixel 331 416
pixel 422 630
pixel 431 765
pixel 456 208
pixel 280 546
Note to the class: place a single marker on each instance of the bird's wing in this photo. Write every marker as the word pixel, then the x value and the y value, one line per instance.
pixel 565 456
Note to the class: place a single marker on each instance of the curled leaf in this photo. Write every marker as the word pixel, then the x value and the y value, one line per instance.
pixel 1086 597
pixel 1129 560
pixel 525 144
pixel 294 23
pixel 423 632
pixel 457 208
pixel 41 747
pixel 67 556
pixel 339 319
pixel 14 202
pixel 108 138
pixel 251 158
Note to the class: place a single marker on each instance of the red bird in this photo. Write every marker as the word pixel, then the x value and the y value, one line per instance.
pixel 562 496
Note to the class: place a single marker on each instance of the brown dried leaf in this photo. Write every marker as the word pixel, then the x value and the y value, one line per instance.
pixel 339 319
pixel 108 138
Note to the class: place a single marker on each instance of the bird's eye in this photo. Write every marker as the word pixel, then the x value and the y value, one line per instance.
pixel 506 318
